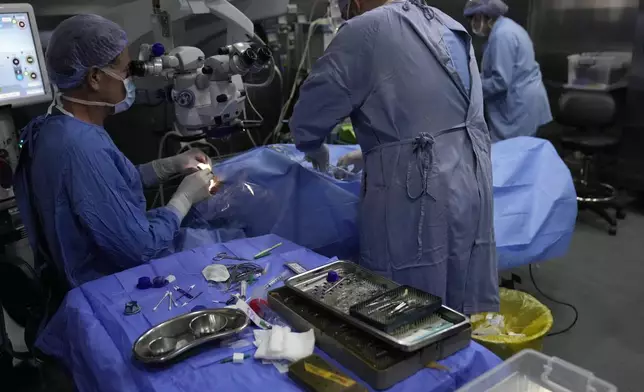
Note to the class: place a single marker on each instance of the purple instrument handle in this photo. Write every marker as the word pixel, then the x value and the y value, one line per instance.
pixel 184 293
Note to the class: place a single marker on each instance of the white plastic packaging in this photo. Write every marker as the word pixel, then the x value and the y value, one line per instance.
pixel 532 371
pixel 597 70
pixel 238 358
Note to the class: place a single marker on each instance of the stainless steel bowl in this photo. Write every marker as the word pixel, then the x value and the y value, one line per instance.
pixel 161 346
pixel 180 337
pixel 207 324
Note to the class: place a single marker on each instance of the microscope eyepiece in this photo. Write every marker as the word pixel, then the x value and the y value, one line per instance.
pixel 137 68
pixel 264 55
pixel 249 57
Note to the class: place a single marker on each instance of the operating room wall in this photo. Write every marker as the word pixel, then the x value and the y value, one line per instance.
pixel 560 28
pixel 629 169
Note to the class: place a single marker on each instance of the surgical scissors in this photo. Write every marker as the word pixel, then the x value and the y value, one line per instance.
pixel 225 256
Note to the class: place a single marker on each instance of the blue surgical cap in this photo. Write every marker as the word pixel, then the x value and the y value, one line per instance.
pixel 491 8
pixel 80 43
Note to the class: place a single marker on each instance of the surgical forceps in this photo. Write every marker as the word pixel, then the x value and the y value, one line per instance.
pixel 225 256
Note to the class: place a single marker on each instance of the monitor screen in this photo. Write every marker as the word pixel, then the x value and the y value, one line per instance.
pixel 20 72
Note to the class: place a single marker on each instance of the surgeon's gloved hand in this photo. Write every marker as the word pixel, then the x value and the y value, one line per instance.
pixel 349 165
pixel 354 158
pixel 183 163
pixel 319 158
pixel 193 189
pixel 190 160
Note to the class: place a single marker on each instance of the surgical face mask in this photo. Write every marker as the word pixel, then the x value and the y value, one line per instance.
pixel 125 104
pixel 478 32
pixel 479 26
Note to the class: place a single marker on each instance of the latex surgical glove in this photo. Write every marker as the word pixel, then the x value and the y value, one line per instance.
pixel 183 163
pixel 319 158
pixel 354 158
pixel 193 189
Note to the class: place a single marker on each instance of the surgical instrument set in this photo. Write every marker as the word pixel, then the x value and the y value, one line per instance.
pixel 183 292
pixel 167 293
pixel 379 364
pixel 225 256
pixel 407 320
pixel 267 252
pixel 173 302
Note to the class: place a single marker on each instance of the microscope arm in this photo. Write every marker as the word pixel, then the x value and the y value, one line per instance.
pixel 235 19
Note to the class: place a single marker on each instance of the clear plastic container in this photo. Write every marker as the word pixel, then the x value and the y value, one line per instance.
pixel 532 371
pixel 597 70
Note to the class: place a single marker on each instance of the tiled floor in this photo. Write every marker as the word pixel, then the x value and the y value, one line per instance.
pixel 603 277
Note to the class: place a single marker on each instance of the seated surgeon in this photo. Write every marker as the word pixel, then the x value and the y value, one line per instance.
pixel 80 198
pixel 516 103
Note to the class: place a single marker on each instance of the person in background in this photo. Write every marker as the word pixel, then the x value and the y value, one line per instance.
pixel 516 103
pixel 80 198
pixel 406 75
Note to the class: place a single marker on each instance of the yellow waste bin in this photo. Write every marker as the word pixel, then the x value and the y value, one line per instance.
pixel 524 323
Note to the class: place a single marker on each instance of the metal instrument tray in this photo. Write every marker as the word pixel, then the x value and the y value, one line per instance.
pixel 377 363
pixel 358 284
pixel 170 339
pixel 381 311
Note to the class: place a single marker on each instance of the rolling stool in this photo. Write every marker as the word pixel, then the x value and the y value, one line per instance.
pixel 590 113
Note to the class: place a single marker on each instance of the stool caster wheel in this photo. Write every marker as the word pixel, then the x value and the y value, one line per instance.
pixel 620 214
pixel 612 231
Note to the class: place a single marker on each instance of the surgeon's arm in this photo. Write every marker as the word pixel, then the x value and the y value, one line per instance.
pixel 339 82
pixel 163 169
pixel 497 73
pixel 112 214
pixel 148 175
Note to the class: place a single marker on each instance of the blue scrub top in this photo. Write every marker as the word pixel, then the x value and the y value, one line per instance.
pixel 90 199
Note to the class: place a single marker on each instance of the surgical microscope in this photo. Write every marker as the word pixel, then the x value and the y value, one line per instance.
pixel 208 93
